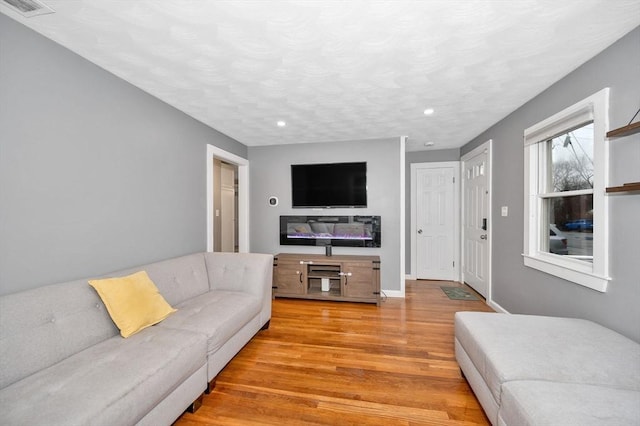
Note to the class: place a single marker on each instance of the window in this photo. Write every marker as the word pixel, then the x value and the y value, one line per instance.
pixel 565 228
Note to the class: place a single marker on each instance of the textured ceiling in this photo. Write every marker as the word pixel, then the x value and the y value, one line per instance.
pixel 340 70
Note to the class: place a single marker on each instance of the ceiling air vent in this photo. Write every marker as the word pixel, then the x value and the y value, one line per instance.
pixel 28 8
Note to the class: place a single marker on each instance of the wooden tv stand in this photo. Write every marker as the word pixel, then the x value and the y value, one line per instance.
pixel 341 277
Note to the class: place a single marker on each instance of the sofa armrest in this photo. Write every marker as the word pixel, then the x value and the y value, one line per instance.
pixel 247 272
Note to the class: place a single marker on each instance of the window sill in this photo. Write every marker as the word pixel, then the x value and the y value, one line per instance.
pixel 583 278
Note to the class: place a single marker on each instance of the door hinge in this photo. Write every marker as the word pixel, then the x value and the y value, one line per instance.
pixel 454 180
pixel 454 263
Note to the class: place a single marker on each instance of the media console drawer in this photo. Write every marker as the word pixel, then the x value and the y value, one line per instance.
pixel 347 278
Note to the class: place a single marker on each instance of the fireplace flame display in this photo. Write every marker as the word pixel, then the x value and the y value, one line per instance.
pixel 354 231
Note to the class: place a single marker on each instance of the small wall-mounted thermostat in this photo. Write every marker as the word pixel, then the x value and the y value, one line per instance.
pixel 273 201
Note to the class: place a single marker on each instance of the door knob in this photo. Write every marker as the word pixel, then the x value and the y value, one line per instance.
pixel 483 237
pixel 419 231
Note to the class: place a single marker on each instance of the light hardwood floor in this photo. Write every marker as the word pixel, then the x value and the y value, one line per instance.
pixel 336 363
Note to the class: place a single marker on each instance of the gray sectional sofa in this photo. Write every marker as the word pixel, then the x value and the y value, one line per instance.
pixel 534 370
pixel 63 362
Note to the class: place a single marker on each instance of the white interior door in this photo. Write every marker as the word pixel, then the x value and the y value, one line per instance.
pixel 476 220
pixel 436 221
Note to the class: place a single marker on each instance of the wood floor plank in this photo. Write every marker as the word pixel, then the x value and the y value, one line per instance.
pixel 330 363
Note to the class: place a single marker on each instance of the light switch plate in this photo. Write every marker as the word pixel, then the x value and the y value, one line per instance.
pixel 505 211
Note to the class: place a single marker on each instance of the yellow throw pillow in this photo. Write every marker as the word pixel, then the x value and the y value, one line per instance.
pixel 133 302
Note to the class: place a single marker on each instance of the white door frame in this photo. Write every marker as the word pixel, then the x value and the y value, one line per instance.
pixel 243 195
pixel 401 210
pixel 456 209
pixel 486 146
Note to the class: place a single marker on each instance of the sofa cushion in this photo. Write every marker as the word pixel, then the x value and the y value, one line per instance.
pixel 43 326
pixel 506 347
pixel 246 272
pixel 115 382
pixel 133 301
pixel 218 315
pixel 529 403
pixel 177 279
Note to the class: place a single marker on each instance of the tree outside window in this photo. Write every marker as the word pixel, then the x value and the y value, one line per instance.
pixel 571 170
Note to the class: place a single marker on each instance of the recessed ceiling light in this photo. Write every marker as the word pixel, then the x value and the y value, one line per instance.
pixel 429 111
pixel 429 143
pixel 281 123
pixel 28 8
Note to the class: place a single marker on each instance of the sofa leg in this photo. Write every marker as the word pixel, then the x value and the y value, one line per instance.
pixel 210 386
pixel 266 325
pixel 193 407
pixel 462 374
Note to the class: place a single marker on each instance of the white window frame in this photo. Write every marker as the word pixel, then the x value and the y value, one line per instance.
pixel 592 275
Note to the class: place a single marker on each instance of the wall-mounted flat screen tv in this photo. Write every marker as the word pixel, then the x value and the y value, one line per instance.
pixel 329 185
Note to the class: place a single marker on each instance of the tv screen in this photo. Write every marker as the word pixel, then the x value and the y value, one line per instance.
pixel 329 185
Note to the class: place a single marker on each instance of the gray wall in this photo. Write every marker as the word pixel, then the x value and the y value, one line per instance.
pixel 270 175
pixel 95 175
pixel 430 156
pixel 524 290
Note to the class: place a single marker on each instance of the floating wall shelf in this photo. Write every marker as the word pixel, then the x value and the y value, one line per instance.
pixel 619 132
pixel 625 130
pixel 627 187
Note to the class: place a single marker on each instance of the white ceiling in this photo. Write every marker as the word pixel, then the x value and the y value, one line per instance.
pixel 340 70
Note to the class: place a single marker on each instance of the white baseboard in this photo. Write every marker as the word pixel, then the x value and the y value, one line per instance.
pixel 496 307
pixel 393 293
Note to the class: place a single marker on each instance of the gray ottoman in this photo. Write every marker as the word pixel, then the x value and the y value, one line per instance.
pixel 494 350
pixel 530 402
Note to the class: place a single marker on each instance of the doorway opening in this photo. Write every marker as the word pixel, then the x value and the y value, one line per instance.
pixel 227 201
pixel 225 206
